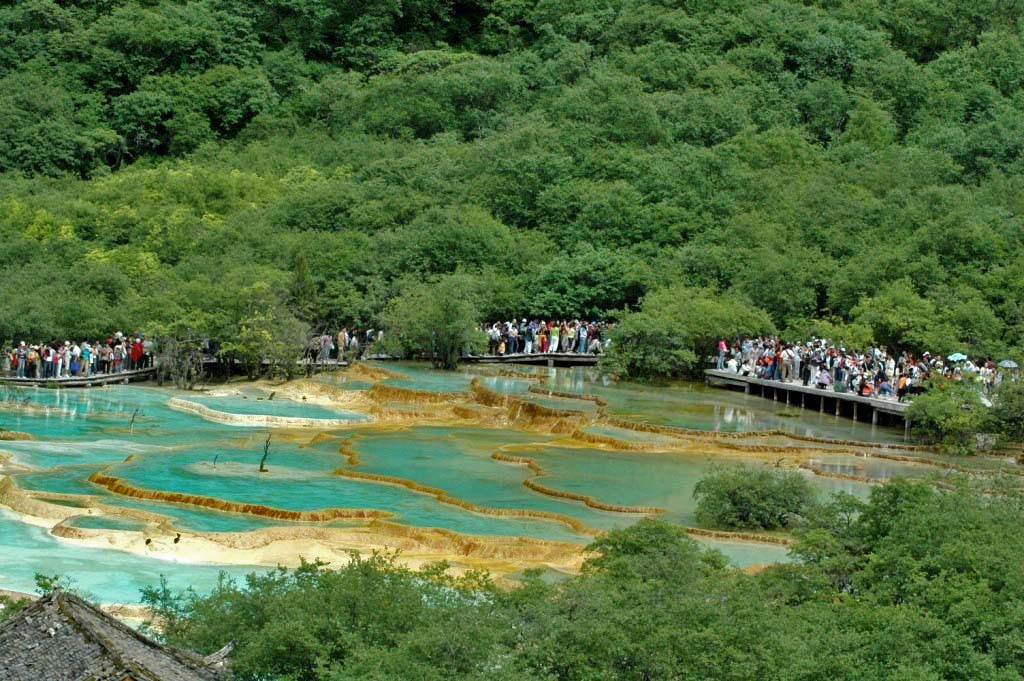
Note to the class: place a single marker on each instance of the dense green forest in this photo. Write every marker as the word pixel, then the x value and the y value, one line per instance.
pixel 915 585
pixel 218 167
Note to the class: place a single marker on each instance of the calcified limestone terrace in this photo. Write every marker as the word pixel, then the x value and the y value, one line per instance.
pixel 486 468
pixel 258 420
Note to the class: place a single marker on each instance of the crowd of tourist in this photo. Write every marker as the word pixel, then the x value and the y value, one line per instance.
pixel 871 373
pixel 540 337
pixel 71 359
pixel 348 342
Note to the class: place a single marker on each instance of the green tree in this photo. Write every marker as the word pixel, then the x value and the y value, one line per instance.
pixel 749 498
pixel 825 106
pixel 911 583
pixel 899 318
pixel 276 619
pixel 1008 409
pixel 652 550
pixel 271 335
pixel 677 327
pixel 437 319
pixel 849 335
pixel 304 295
pixel 859 163
pixel 950 413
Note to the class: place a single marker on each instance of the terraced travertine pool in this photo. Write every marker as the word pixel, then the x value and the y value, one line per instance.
pixel 491 468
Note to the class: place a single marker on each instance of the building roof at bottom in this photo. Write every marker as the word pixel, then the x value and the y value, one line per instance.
pixel 61 637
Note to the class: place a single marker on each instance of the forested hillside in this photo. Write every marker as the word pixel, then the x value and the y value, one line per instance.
pixel 219 164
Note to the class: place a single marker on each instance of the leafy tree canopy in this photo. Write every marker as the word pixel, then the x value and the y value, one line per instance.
pixel 677 327
pixel 913 583
pixel 846 167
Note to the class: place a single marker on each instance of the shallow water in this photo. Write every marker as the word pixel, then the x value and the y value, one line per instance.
pixel 684 404
pixel 419 376
pixel 109 576
pixel 106 522
pixel 278 407
pixel 664 480
pixel 302 480
pixel 79 433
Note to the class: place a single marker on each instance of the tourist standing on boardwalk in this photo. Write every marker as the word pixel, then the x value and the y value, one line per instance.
pixel 544 337
pixel 874 372
pixel 22 358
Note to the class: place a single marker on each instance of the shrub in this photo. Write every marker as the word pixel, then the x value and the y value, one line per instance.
pixel 950 414
pixel 678 326
pixel 749 498
pixel 1008 410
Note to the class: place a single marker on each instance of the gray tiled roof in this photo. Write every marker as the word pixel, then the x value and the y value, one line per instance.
pixel 60 637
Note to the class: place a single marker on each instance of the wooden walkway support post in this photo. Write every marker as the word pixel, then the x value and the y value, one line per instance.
pixel 752 385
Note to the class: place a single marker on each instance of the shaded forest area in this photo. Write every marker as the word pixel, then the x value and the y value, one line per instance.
pixel 240 169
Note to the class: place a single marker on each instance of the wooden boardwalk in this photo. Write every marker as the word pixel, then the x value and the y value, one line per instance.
pixel 209 361
pixel 84 381
pixel 853 406
pixel 551 359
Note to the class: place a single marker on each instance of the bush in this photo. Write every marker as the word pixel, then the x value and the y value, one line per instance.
pixel 749 498
pixel 10 606
pixel 678 326
pixel 435 319
pixel 1008 410
pixel 950 414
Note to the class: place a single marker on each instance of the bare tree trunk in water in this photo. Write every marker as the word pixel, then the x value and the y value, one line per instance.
pixel 266 451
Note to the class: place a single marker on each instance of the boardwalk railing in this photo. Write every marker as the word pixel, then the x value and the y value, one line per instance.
pixel 846 404
pixel 84 381
pixel 561 359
